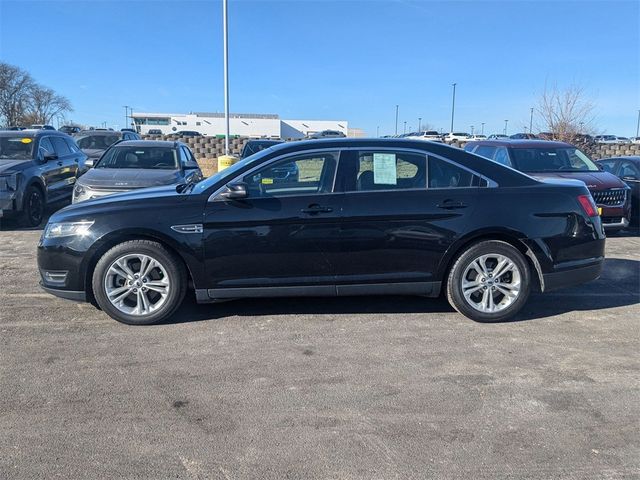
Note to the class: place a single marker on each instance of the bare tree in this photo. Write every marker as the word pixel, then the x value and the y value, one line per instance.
pixel 15 88
pixel 45 105
pixel 566 112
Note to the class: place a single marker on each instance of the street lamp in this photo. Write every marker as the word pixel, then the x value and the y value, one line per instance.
pixel 505 126
pixel 453 105
pixel 482 131
pixel 531 121
pixel 225 34
pixel 396 120
pixel 126 115
pixel 378 131
pixel 581 127
pixel 404 129
pixel 638 125
pixel 471 129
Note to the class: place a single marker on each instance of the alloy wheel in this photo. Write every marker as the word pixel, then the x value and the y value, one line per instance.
pixel 491 283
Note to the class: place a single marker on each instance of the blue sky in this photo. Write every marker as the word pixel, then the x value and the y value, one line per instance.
pixel 352 60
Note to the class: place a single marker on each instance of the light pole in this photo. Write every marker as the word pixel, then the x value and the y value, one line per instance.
pixel 126 115
pixel 471 129
pixel 404 129
pixel 638 125
pixel 581 127
pixel 505 126
pixel 396 120
pixel 378 131
pixel 531 121
pixel 482 131
pixel 226 75
pixel 453 105
pixel 419 124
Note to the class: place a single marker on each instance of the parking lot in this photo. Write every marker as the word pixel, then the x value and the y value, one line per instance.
pixel 366 387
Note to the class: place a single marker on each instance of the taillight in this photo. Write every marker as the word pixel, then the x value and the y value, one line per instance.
pixel 588 205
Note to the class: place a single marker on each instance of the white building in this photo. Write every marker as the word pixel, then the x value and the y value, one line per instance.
pixel 242 124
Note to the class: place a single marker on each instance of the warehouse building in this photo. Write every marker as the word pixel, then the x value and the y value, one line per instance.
pixel 241 124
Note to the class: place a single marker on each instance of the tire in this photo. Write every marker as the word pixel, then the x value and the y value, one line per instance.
pixel 486 298
pixel 121 294
pixel 32 207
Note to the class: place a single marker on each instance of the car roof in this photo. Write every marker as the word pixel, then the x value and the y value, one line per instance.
pixel 99 132
pixel 523 143
pixel 31 132
pixel 632 158
pixel 149 143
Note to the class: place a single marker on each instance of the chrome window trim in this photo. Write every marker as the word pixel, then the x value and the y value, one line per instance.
pixel 284 157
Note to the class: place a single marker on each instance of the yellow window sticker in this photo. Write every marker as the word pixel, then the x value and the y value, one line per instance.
pixel 26 140
pixel 267 181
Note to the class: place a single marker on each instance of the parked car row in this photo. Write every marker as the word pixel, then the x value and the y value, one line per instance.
pixel 41 167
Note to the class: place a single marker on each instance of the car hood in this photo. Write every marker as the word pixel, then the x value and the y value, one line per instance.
pixel 593 180
pixel 126 178
pixel 93 152
pixel 7 165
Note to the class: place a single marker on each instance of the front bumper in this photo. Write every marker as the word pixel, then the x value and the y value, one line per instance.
pixel 66 294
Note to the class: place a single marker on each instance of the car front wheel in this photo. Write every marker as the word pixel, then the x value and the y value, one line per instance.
pixel 489 282
pixel 139 282
pixel 33 209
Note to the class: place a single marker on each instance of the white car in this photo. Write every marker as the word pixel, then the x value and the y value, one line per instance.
pixel 430 135
pixel 635 140
pixel 457 137
pixel 476 138
pixel 612 140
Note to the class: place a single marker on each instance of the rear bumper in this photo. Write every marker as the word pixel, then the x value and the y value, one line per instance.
pixel 573 276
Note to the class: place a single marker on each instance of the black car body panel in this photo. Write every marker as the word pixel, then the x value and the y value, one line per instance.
pixel 338 241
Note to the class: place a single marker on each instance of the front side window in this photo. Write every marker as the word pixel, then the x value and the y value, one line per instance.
pixel 46 148
pixel 389 170
pixel 608 166
pixel 161 158
pixel 303 175
pixel 486 151
pixel 443 174
pixel 60 146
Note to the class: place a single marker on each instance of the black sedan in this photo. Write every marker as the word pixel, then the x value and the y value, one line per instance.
pixel 365 217
pixel 628 170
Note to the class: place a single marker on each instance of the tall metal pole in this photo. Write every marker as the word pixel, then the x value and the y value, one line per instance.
pixel 378 131
pixel 404 130
pixel 126 116
pixel 226 76
pixel 453 106
pixel 471 129
pixel 531 121
pixel 638 126
pixel 419 124
pixel 505 126
pixel 396 120
pixel 482 131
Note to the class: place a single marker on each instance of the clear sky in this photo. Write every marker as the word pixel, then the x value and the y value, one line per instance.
pixel 347 60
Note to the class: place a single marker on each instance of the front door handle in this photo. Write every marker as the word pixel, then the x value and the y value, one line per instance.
pixel 315 208
pixel 451 205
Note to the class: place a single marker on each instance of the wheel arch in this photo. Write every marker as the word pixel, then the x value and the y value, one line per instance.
pixel 39 184
pixel 120 236
pixel 512 237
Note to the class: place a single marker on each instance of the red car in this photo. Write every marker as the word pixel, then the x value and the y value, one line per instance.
pixel 545 159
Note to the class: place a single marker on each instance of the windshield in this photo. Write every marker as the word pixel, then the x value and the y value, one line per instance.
pixel 568 159
pixel 16 147
pixel 96 142
pixel 229 172
pixel 162 158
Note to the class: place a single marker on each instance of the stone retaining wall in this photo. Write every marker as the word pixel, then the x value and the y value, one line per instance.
pixel 208 149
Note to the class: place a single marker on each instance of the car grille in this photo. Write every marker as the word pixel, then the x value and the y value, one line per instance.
pixel 613 196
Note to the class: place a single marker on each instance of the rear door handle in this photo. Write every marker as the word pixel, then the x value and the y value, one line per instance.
pixel 451 205
pixel 313 209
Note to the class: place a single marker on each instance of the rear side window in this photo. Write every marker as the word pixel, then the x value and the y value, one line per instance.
pixel 485 151
pixel 60 146
pixel 388 170
pixel 443 174
pixel 72 145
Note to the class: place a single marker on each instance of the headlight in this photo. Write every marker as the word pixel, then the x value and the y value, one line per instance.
pixel 67 229
pixel 9 182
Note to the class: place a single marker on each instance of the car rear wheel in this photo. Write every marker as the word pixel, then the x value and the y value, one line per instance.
pixel 139 282
pixel 489 282
pixel 33 207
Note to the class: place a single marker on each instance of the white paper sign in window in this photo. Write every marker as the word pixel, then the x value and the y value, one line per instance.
pixel 384 169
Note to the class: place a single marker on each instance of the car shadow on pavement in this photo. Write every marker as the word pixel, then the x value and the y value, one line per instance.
pixel 618 286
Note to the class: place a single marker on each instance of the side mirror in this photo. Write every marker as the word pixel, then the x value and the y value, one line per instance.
pixel 233 191
pixel 49 156
pixel 89 163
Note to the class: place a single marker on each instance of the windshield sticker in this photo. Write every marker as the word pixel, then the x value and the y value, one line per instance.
pixel 384 169
pixel 26 140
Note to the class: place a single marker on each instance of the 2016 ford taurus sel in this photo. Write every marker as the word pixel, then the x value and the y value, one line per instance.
pixel 362 217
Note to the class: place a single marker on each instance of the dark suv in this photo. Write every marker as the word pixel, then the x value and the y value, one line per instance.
pixel 548 159
pixel 37 167
pixel 94 142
